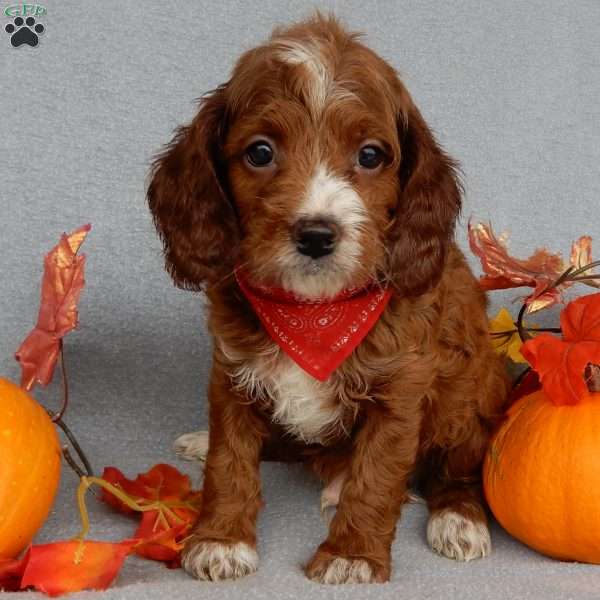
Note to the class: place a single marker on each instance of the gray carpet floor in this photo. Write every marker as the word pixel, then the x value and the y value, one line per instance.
pixel 511 89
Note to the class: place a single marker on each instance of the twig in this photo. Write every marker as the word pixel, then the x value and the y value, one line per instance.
pixel 517 382
pixel 59 415
pixel 572 275
pixel 57 419
pixel 71 461
pixel 583 269
pixel 80 453
pixel 509 332
pixel 584 277
pixel 561 279
pixel 521 330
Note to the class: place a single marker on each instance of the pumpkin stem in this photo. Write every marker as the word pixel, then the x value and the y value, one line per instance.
pixel 592 377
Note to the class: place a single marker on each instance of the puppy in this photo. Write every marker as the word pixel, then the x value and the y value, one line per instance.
pixel 310 201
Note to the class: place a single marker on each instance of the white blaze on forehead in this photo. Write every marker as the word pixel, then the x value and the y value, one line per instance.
pixel 310 55
pixel 331 196
pixel 327 197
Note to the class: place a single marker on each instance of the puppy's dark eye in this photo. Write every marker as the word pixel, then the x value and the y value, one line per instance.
pixel 370 157
pixel 259 154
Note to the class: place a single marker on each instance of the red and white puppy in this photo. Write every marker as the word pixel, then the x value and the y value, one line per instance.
pixel 313 171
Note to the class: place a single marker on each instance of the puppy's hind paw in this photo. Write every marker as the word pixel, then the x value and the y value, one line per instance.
pixel 192 446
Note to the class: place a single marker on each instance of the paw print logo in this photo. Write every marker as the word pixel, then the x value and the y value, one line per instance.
pixel 24 31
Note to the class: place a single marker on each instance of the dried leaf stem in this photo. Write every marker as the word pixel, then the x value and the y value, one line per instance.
pixel 572 275
pixel 164 508
pixel 57 419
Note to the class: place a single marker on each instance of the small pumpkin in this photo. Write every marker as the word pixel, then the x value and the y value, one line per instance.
pixel 30 460
pixel 542 476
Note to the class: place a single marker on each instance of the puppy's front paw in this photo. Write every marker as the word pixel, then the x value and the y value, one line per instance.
pixel 215 561
pixel 327 568
pixel 456 536
pixel 192 446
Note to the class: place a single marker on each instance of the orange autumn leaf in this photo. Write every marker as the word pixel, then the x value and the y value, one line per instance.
pixel 562 363
pixel 62 283
pixel 540 271
pixel 504 271
pixel 59 568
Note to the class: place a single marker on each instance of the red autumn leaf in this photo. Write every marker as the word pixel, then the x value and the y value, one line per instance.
pixel 163 545
pixel 580 320
pixel 131 488
pixel 162 482
pixel 161 530
pixel 54 568
pixel 62 283
pixel 503 271
pixel 11 572
pixel 562 364
pixel 70 566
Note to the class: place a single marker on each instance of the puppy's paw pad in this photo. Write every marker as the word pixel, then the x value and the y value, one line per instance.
pixel 213 561
pixel 192 446
pixel 341 570
pixel 455 536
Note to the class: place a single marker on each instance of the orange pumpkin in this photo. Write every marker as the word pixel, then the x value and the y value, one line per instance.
pixel 30 458
pixel 542 476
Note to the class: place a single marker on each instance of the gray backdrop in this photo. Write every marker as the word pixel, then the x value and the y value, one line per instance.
pixel 512 90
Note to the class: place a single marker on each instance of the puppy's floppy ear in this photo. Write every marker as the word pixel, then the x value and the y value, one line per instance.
pixel 428 206
pixel 189 202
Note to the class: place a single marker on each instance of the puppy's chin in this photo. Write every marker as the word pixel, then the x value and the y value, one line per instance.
pixel 319 279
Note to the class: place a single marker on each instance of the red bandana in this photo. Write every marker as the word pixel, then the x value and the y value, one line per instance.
pixel 318 335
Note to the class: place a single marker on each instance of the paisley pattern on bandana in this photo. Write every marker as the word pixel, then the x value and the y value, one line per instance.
pixel 318 335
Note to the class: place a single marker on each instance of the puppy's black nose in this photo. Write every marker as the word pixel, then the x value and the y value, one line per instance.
pixel 315 238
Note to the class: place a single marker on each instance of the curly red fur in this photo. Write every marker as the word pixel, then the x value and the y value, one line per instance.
pixel 420 395
pixel 191 210
pixel 429 204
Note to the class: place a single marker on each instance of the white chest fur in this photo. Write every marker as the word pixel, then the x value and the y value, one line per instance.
pixel 305 407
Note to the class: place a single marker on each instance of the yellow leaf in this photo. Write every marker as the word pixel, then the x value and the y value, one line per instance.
pixel 505 337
